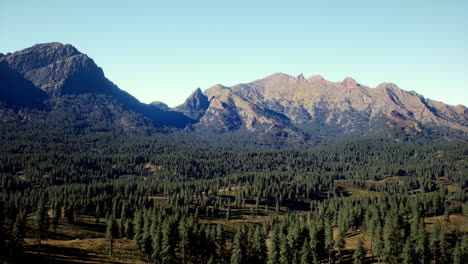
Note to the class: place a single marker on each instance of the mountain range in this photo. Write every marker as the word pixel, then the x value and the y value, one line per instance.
pixel 56 83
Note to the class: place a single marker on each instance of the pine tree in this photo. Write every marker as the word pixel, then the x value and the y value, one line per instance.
pixel 293 239
pixel 220 242
pixel 421 247
pixel 446 216
pixel 138 230
pixel 359 253
pixel 129 229
pixel 41 224
pixel 167 247
pixel 57 216
pixel 97 213
pixel 458 253
pixel 228 212
pixel 340 245
pixel 443 248
pixel 17 235
pixel 316 245
pixel 146 236
pixel 392 240
pixel 69 213
pixel 409 253
pixel 112 232
pixel 156 245
pixel 273 255
pixel 284 250
pixel 236 255
pixel 329 240
pixel 183 239
pixel 259 248
pixel 377 244
pixel 305 253
pixel 435 241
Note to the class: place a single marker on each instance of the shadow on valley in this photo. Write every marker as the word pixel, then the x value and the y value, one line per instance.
pixel 55 254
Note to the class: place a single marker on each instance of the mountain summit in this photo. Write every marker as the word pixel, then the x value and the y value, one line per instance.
pixel 59 69
pixel 195 106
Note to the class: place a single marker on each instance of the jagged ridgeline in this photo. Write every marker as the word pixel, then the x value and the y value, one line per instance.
pixel 55 85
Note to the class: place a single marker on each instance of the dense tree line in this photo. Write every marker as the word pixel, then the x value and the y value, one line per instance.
pixel 309 216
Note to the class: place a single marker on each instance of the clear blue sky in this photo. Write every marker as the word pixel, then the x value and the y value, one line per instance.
pixel 163 50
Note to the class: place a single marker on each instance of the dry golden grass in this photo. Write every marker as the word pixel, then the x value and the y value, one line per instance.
pixel 456 221
pixel 94 250
pixel 451 187
pixel 353 191
pixel 391 178
pixel 152 168
pixel 82 242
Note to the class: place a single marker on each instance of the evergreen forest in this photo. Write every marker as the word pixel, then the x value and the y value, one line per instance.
pixel 172 198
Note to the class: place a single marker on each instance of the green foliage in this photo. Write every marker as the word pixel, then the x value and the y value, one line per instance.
pixel 18 235
pixel 112 232
pixel 41 224
pixel 359 253
pixel 259 249
pixel 409 255
pixel 392 240
pixel 238 256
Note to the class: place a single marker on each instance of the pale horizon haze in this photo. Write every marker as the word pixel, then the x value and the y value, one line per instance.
pixel 164 50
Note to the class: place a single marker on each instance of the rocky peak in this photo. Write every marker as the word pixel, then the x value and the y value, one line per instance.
pixel 277 76
pixel 386 85
pixel 300 78
pixel 195 105
pixel 197 93
pixel 197 99
pixel 349 83
pixel 40 55
pixel 316 78
pixel 59 69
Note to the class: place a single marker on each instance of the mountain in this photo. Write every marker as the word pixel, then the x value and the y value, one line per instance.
pixel 67 88
pixel 300 106
pixel 63 78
